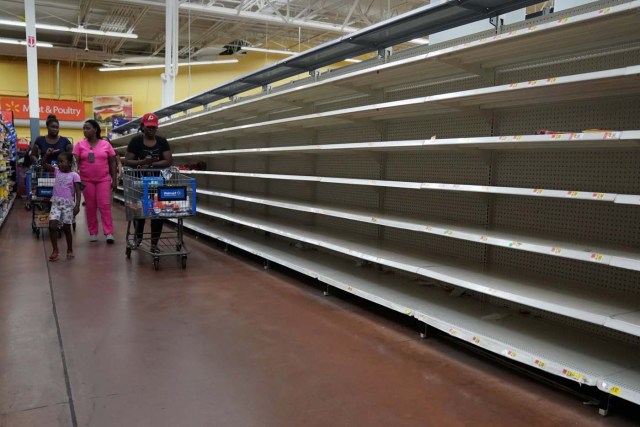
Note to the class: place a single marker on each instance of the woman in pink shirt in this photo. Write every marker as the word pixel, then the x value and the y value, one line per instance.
pixel 96 161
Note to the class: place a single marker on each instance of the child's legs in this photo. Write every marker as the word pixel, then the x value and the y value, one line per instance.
pixel 55 214
pixel 66 218
pixel 91 207
pixel 53 234
pixel 103 196
pixel 67 233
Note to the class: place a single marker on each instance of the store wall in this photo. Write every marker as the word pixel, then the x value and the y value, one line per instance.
pixel 80 82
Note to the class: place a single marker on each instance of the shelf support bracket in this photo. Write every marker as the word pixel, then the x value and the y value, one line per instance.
pixel 604 403
pixel 426 332
pixel 385 53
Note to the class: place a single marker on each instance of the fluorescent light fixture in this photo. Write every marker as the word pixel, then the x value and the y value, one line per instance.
pixel 24 43
pixel 61 28
pixel 352 60
pixel 262 49
pixel 419 41
pixel 12 23
pixel 183 64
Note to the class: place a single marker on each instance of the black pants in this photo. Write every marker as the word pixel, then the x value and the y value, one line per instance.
pixel 156 229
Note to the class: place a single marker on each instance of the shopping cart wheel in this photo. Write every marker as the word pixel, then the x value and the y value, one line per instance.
pixel 128 252
pixel 156 263
pixel 184 261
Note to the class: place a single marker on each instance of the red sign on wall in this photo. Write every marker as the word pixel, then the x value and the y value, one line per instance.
pixel 63 110
pixel 31 41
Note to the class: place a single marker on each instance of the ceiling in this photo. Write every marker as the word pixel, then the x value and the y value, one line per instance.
pixel 208 29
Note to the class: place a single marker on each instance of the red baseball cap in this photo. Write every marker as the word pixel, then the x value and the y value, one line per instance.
pixel 150 120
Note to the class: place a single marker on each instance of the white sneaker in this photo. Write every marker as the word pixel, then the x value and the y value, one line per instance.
pixel 93 237
pixel 110 238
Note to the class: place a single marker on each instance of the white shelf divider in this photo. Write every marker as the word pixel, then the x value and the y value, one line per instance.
pixel 582 251
pixel 485 189
pixel 599 307
pixel 624 384
pixel 609 83
pixel 607 139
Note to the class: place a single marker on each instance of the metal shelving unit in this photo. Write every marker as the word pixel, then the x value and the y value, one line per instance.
pixel 427 165
pixel 564 351
pixel 476 57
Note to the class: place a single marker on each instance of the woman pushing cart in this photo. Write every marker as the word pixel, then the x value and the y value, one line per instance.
pixel 152 191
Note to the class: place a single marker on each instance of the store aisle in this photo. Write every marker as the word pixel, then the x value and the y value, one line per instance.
pixel 224 343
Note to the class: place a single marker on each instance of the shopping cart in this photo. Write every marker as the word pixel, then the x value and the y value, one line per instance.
pixel 39 189
pixel 158 194
pixel 39 185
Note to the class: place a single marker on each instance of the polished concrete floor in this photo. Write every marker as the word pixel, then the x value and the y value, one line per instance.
pixel 105 341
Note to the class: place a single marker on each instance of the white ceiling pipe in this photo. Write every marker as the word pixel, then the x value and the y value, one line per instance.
pixel 260 17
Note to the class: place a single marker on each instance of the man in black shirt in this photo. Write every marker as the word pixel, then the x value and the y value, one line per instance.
pixel 149 151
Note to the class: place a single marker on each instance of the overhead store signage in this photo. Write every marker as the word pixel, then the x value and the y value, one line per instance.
pixel 64 110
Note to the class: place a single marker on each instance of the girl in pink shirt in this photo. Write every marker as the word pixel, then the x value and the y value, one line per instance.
pixel 96 161
pixel 65 201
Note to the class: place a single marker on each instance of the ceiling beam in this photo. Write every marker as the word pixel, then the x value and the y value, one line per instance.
pixel 263 18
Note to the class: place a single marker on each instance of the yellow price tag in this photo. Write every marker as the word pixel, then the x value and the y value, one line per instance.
pixel 596 256
pixel 556 250
pixel 349 288
pixel 476 340
pixel 538 190
pixel 603 11
pixel 615 390
pixel 598 195
pixel 539 363
pixel 573 375
pixel 512 354
pixel 453 331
